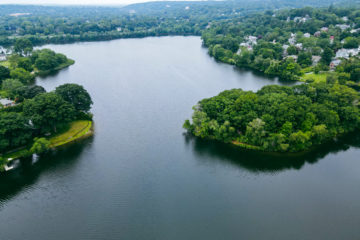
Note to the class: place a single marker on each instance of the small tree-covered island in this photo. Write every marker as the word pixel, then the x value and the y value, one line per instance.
pixel 32 121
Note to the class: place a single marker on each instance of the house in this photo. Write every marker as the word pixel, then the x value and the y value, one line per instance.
pixel 355 30
pixel 343 27
pixel 317 34
pixel 331 39
pixel 345 19
pixel 252 39
pixel 342 53
pixel 335 63
pixel 299 46
pixel 292 39
pixel 2 57
pixel 315 60
pixel 346 53
pixel 301 19
pixel 285 47
pixel 307 35
pixel 6 103
pixel 324 29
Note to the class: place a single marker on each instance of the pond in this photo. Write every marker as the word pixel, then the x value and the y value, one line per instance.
pixel 140 177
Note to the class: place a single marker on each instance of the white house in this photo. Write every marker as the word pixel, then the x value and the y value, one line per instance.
pixel 252 39
pixel 342 26
pixel 2 57
pixel 6 103
pixel 315 60
pixel 317 34
pixel 324 29
pixel 354 30
pixel 307 35
pixel 301 19
pixel 335 63
pixel 292 39
pixel 346 53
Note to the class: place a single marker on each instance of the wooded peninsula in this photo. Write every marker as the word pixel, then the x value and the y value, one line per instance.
pixel 31 119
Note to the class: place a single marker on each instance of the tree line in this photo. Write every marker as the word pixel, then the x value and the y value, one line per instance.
pixel 36 112
pixel 278 118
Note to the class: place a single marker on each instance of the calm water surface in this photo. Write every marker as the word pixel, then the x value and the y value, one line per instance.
pixel 139 177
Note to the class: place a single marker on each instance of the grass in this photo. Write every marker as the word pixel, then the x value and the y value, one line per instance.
pixel 307 69
pixel 320 77
pixel 76 130
pixel 5 63
pixel 246 146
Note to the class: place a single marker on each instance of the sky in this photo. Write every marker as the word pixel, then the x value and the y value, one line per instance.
pixel 73 2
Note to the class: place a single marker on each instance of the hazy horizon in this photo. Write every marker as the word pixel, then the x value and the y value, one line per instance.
pixel 78 2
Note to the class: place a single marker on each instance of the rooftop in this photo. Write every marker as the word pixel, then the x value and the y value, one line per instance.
pixel 5 101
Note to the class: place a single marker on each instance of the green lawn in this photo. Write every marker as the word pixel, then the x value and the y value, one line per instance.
pixel 5 63
pixel 320 77
pixel 75 131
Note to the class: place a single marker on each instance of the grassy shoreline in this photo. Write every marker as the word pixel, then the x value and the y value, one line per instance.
pixel 76 131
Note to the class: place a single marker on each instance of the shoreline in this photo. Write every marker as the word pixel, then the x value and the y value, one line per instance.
pixel 77 131
pixel 68 63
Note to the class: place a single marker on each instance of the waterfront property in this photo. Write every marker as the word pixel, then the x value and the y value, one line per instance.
pixel 6 103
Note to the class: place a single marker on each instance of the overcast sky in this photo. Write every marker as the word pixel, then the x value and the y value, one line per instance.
pixel 73 2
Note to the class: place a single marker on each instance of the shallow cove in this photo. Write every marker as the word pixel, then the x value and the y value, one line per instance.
pixel 139 177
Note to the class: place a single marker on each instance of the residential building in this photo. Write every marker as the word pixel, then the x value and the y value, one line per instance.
pixel 6 103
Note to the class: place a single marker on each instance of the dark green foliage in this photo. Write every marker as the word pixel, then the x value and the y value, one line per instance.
pixel 23 46
pixel 28 92
pixel 22 75
pixel 41 145
pixel 4 73
pixel 47 60
pixel 47 110
pixel 351 42
pixel 25 63
pixel 292 50
pixel 304 59
pixel 278 118
pixel 11 86
pixel 76 95
pixel 14 130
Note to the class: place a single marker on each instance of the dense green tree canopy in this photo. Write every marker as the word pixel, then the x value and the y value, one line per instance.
pixel 4 73
pixel 76 95
pixel 14 130
pixel 278 118
pixel 22 75
pixel 23 46
pixel 46 110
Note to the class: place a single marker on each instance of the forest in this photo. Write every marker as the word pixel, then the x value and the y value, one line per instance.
pixel 278 118
pixel 57 24
pixel 317 46
pixel 31 114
